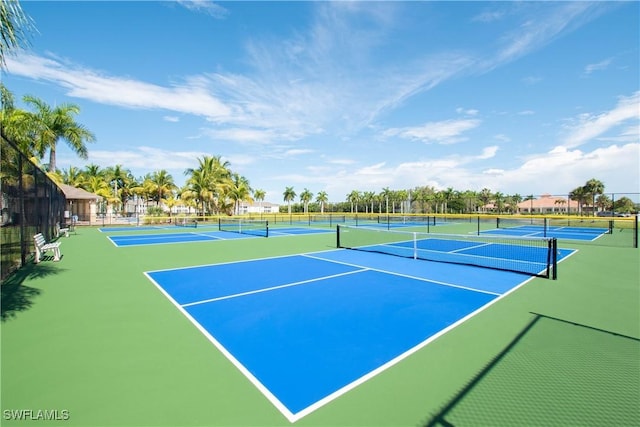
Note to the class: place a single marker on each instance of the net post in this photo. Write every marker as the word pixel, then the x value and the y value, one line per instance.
pixel 555 258
pixel 610 226
pixel 635 231
pixel 267 229
pixel 415 245
pixel 219 224
pixel 337 235
pixel 478 225
pixel 546 225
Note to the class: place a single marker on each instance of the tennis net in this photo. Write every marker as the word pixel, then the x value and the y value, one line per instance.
pixel 565 225
pixel 185 222
pixel 534 256
pixel 407 219
pixel 254 227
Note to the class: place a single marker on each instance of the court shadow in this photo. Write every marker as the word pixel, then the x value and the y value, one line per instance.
pixel 554 372
pixel 15 297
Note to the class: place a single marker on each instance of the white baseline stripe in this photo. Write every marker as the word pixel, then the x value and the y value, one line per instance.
pixel 396 360
pixel 264 390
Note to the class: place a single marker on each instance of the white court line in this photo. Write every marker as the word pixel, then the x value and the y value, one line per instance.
pixel 239 261
pixel 422 279
pixel 288 285
pixel 149 239
pixel 235 362
pixel 293 417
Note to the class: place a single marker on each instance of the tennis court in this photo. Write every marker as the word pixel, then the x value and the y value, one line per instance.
pixel 579 230
pixel 178 235
pixel 262 331
pixel 317 325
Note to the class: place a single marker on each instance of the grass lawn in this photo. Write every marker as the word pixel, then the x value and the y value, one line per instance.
pixel 91 341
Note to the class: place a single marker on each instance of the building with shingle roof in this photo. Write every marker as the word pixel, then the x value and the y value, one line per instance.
pixel 81 204
pixel 548 204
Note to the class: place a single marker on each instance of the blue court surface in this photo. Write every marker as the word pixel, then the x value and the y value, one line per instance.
pixel 569 233
pixel 200 234
pixel 168 238
pixel 289 231
pixel 305 329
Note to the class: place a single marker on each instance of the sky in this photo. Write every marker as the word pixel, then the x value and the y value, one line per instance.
pixel 516 97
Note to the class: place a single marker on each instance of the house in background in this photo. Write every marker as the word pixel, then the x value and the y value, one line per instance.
pixel 81 204
pixel 548 204
pixel 259 207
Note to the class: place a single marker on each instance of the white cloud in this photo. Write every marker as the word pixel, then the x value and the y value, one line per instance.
pixel 297 151
pixel 191 97
pixel 557 172
pixel 444 132
pixel 241 135
pixel 141 158
pixel 538 28
pixel 488 152
pixel 205 6
pixel 591 126
pixel 602 65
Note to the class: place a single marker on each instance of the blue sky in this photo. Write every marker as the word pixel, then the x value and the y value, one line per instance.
pixel 517 97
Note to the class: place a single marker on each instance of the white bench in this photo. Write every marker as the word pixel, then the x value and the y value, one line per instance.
pixel 60 231
pixel 42 246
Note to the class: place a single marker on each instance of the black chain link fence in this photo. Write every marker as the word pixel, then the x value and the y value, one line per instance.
pixel 30 203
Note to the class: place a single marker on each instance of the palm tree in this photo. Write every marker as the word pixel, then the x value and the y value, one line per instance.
pixel 604 202
pixel 51 125
pixel 15 27
pixel 188 197
pixel 162 184
pixel 516 198
pixel 448 195
pixel 471 201
pixel 560 202
pixel 485 197
pixel 354 198
pixel 259 195
pixel 322 198
pixel 121 180
pixel 367 198
pixel 530 198
pixel 72 176
pixel 16 124
pixel 98 185
pixel 594 187
pixel 213 181
pixel 578 194
pixel 498 198
pixel 239 191
pixel 289 196
pixel 386 194
pixel 305 198
pixel 170 202
pixel 199 190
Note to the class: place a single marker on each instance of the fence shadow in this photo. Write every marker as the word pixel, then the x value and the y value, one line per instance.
pixel 554 372
pixel 15 297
